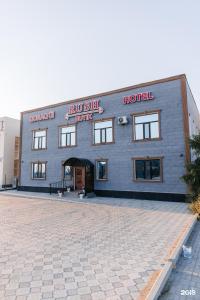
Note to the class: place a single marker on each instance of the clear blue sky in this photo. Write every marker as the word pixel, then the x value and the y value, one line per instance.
pixel 55 50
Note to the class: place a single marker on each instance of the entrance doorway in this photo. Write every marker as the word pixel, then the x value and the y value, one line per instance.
pixel 83 174
pixel 79 178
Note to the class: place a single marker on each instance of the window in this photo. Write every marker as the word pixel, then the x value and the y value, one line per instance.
pixel 67 136
pixel 39 139
pixel 16 168
pixel 39 170
pixel 147 169
pixel 102 169
pixel 68 172
pixel 17 147
pixel 103 132
pixel 146 127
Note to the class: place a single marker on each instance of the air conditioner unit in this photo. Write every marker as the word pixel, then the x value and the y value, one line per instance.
pixel 122 120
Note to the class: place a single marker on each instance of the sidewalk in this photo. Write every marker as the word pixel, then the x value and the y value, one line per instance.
pixel 184 282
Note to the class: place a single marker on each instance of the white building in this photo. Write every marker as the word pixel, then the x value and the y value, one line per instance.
pixel 9 151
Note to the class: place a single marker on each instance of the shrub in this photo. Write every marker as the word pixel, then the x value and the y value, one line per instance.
pixel 195 206
pixel 192 176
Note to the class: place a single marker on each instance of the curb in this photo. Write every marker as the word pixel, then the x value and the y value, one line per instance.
pixel 65 200
pixel 3 193
pixel 161 280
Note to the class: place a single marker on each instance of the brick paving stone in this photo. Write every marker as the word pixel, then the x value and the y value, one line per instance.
pixel 126 297
pixel 107 249
pixel 22 291
pixel 9 297
pixel 86 297
pixel 10 292
pixel 47 295
pixel 72 292
pixel 60 293
pixel 98 296
pixel 76 297
pixel 35 290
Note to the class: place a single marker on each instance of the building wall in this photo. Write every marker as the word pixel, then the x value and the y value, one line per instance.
pixel 11 129
pixel 171 147
pixel 193 116
pixel 1 150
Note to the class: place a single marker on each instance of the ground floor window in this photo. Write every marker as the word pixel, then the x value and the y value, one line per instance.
pixel 39 170
pixel 102 169
pixel 148 169
pixel 68 172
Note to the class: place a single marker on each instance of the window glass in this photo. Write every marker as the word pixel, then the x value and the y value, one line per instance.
pixel 103 135
pixel 103 124
pixel 146 126
pixel 139 132
pixel 146 131
pixel 97 137
pixel 147 165
pixel 43 170
pixel 38 170
pixel 43 142
pixel 139 165
pixel 146 118
pixel 154 130
pixel 39 139
pixel 147 169
pixel 155 169
pixel 40 133
pixel 67 136
pixel 68 172
pixel 63 140
pixel 101 170
pixel 68 139
pixel 35 169
pixel 109 135
pixel 68 129
pixel 103 132
pixel 73 139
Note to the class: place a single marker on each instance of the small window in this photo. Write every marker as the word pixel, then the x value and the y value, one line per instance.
pixel 147 169
pixel 39 170
pixel 146 127
pixel 103 132
pixel 101 169
pixel 39 139
pixel 68 172
pixel 67 136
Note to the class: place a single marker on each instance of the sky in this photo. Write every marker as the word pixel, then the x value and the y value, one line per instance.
pixel 57 50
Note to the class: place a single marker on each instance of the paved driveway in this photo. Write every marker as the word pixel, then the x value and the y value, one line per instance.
pixel 60 250
pixel 184 282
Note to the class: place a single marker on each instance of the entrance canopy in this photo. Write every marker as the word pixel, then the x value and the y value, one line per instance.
pixel 78 162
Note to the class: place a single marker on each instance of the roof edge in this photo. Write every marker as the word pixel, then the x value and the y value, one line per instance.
pixel 140 85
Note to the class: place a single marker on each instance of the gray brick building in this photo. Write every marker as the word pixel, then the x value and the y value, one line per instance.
pixel 130 142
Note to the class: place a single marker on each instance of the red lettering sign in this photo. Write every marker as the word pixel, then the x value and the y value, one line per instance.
pixel 42 117
pixel 138 97
pixel 84 111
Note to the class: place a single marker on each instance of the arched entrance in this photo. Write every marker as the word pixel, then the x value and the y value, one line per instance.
pixel 83 171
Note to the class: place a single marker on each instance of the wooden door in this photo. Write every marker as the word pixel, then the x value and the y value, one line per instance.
pixel 79 178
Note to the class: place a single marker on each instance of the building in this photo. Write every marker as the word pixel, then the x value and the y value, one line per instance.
pixel 9 151
pixel 130 142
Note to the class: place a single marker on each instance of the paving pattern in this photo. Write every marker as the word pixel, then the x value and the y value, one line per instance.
pixel 76 251
pixel 184 282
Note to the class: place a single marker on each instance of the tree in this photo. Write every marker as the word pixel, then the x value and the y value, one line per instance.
pixel 192 177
